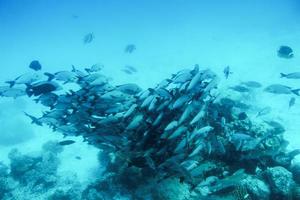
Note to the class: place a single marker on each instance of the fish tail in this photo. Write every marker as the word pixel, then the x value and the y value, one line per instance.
pixel 11 83
pixel 50 76
pixel 282 75
pixel 296 91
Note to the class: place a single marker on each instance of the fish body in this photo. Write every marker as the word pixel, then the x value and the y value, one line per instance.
pixel 292 102
pixel 251 84
pixel 240 88
pixel 27 78
pixel 295 75
pixel 66 142
pixel 42 88
pixel 130 48
pixel 227 72
pixel 65 76
pixel 281 89
pixel 35 65
pixel 88 38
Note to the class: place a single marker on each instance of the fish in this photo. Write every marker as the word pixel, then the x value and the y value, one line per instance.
pixel 264 111
pixel 35 65
pixel 128 69
pixel 48 99
pixel 292 102
pixel 40 88
pixel 34 120
pixel 285 52
pixel 181 101
pixel 66 142
pixel 180 130
pixel 27 78
pixel 240 88
pixel 88 38
pixel 281 89
pixel 65 76
pixel 251 84
pixel 227 72
pixel 130 48
pixel 294 75
pixel 129 88
pixel 238 139
pixel 13 92
pixel 94 68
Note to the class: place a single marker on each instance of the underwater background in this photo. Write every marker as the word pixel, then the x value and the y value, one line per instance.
pixel 168 35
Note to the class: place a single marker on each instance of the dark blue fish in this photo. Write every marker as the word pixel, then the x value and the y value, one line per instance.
pixel 285 52
pixel 40 88
pixel 35 65
pixel 66 142
pixel 227 72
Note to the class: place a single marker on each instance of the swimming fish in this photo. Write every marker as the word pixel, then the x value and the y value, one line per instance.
pixel 285 52
pixel 130 48
pixel 294 75
pixel 281 89
pixel 227 72
pixel 251 84
pixel 35 65
pixel 41 88
pixel 27 78
pixel 66 142
pixel 88 38
pixel 292 102
pixel 240 88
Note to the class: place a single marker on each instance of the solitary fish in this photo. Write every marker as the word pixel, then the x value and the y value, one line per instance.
pixel 292 102
pixel 251 84
pixel 295 75
pixel 35 65
pixel 285 52
pixel 130 48
pixel 66 142
pixel 88 38
pixel 227 72
pixel 281 89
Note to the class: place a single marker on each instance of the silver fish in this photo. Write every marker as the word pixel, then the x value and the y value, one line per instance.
pixel 295 75
pixel 281 89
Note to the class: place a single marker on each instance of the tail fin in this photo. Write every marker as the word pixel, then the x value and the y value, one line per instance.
pixel 50 76
pixel 11 83
pixel 282 75
pixel 296 92
pixel 73 68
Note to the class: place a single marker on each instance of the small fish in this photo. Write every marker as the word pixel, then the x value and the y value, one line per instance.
pixel 281 89
pixel 295 75
pixel 94 68
pixel 292 102
pixel 264 111
pixel 227 72
pixel 130 48
pixel 34 120
pixel 88 38
pixel 240 88
pixel 252 84
pixel 66 142
pixel 35 65
pixel 285 52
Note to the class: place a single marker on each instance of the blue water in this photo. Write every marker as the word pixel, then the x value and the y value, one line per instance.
pixel 169 35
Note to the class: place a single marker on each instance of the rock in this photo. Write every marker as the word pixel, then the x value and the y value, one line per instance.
pixel 280 180
pixel 295 169
pixel 171 189
pixel 257 188
pixel 3 170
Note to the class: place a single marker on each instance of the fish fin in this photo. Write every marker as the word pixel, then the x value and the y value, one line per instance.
pixel 11 83
pixel 73 68
pixel 296 91
pixel 50 76
pixel 282 75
